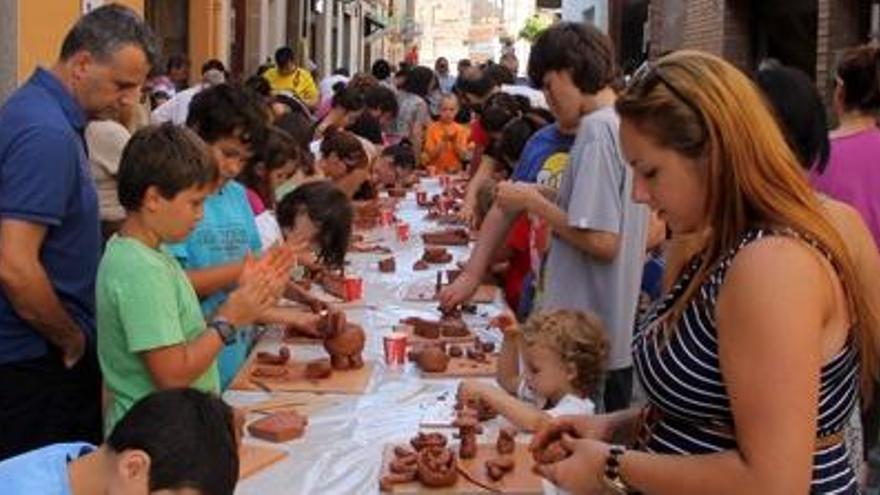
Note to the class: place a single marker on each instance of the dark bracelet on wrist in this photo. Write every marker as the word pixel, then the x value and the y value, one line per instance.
pixel 224 329
pixel 611 473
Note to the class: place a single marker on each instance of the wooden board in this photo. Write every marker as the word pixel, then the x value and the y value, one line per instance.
pixel 255 458
pixel 413 339
pixel 520 481
pixel 305 403
pixel 462 367
pixel 422 292
pixel 340 382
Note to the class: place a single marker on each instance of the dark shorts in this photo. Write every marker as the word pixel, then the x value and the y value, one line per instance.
pixel 42 403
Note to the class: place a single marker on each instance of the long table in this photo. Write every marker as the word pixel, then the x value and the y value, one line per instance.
pixel 341 450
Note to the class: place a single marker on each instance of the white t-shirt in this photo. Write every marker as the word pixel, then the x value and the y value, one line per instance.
pixel 596 194
pixel 268 228
pixel 572 404
pixel 567 405
pixel 176 109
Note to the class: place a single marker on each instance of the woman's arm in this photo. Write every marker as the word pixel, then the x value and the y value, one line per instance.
pixel 771 323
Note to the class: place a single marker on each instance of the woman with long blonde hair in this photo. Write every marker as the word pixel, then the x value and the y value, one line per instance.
pixel 753 361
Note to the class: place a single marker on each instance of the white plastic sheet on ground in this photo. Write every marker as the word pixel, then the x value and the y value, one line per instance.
pixel 341 450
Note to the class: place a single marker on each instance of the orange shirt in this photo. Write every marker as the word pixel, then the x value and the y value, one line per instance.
pixel 443 142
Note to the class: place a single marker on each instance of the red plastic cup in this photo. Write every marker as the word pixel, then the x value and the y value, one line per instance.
pixel 387 217
pixel 395 350
pixel 354 289
pixel 421 197
pixel 403 232
pixel 446 204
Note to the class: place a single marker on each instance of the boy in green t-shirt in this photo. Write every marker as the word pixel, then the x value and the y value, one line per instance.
pixel 151 332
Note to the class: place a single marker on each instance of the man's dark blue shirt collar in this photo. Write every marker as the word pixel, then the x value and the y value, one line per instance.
pixel 72 110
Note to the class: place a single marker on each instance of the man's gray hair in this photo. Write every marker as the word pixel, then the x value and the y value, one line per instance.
pixel 105 30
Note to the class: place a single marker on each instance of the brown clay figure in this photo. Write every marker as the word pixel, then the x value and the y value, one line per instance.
pixel 269 372
pixel 433 359
pixel 423 440
pixel 447 237
pixel 437 467
pixel 270 358
pixel 475 354
pixel 279 427
pixel 497 467
pixel 387 265
pixel 506 443
pixel 319 369
pixel 467 423
pixel 342 340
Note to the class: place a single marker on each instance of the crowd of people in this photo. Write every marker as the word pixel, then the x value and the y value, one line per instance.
pixel 689 230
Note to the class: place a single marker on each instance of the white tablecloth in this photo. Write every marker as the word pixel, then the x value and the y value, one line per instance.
pixel 340 452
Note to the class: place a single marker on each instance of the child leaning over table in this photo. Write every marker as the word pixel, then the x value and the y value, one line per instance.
pixel 563 352
pixel 151 332
pixel 319 214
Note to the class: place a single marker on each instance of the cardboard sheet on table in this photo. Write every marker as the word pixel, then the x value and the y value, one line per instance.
pixel 254 458
pixel 413 339
pixel 462 367
pixel 340 382
pixel 472 477
pixel 419 292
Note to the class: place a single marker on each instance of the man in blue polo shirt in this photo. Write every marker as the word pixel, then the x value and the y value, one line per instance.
pixel 49 230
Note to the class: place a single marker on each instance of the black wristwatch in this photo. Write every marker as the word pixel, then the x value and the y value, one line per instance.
pixel 611 475
pixel 224 329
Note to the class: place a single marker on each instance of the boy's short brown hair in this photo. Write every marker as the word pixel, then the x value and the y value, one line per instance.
pixel 167 156
pixel 578 337
pixel 580 48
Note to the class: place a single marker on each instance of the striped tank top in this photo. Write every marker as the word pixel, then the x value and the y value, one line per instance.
pixel 682 377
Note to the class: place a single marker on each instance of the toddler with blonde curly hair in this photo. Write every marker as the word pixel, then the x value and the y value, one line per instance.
pixel 562 354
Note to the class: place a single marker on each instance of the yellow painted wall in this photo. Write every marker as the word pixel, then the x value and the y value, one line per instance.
pixel 42 26
pixel 205 33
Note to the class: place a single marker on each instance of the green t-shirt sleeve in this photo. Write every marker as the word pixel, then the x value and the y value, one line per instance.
pixel 148 309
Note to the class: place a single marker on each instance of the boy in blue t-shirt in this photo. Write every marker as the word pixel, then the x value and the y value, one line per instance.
pixel 170 440
pixel 233 123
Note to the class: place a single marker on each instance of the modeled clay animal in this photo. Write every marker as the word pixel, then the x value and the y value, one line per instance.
pixel 436 467
pixel 343 341
pixel 497 467
pixel 423 440
pixel 467 423
pixel 506 443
